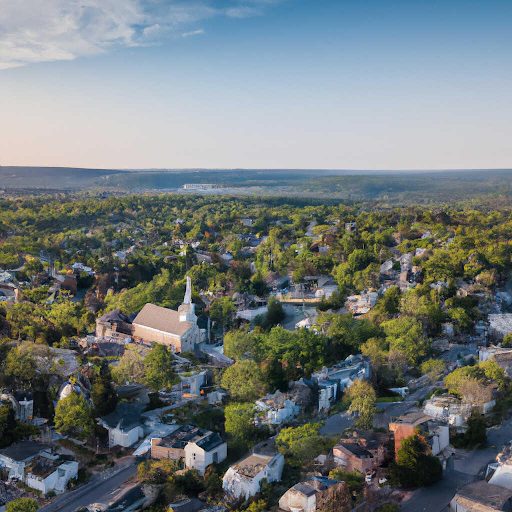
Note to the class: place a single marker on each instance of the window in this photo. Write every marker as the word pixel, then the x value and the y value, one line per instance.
pixel 215 457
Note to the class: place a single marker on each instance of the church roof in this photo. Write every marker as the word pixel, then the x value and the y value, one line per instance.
pixel 162 319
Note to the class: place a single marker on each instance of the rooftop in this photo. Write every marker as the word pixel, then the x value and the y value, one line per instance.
pixel 24 450
pixel 481 496
pixel 252 465
pixel 413 419
pixel 162 319
pixel 126 416
pixel 189 434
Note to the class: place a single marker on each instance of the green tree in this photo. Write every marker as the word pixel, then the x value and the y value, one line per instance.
pixel 73 417
pixel 507 341
pixel 12 430
pixel 103 394
pixel 22 505
pixel 159 369
pixel 302 443
pixel 433 366
pixel 20 364
pixel 414 467
pixel 244 381
pixel 240 422
pixel 223 311
pixel 131 368
pixel 239 343
pixel 362 400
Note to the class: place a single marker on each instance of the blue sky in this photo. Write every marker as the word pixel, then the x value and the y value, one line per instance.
pixel 368 84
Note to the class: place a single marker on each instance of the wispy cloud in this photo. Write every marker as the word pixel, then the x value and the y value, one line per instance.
pixel 242 11
pixel 49 30
pixel 193 33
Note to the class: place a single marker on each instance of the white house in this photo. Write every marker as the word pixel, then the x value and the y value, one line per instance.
pixel 15 457
pixel 244 478
pixel 46 475
pixel 303 496
pixel 125 425
pixel 197 446
pixel 210 449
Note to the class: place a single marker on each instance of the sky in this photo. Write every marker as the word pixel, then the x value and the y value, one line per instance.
pixel 318 84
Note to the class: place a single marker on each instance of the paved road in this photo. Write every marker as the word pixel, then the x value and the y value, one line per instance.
pixel 104 492
pixel 464 468
pixel 437 497
pixel 336 423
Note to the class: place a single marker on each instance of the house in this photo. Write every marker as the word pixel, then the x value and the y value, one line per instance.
pixel 22 404
pixel 112 324
pixel 502 356
pixel 191 382
pixel 14 458
pixel 244 478
pixel 278 407
pixel 449 409
pixel 176 329
pixel 363 451
pixel 125 425
pixel 344 373
pixel 436 433
pixel 308 495
pixel 339 376
pixel 481 496
pixel 247 222
pixel 361 304
pixel 198 447
pixel 46 475
pixel 66 282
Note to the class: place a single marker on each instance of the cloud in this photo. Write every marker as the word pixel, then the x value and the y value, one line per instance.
pixel 193 33
pixel 243 11
pixel 50 30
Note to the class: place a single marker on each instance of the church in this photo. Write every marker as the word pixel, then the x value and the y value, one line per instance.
pixel 177 329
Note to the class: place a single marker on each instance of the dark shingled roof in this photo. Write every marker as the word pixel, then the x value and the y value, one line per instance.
pixel 114 316
pixel 126 415
pixel 356 449
pixel 24 450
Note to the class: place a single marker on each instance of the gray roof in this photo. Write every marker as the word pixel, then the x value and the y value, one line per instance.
pixel 162 319
pixel 114 316
pixel 492 496
pixel 126 416
pixel 304 489
pixel 24 450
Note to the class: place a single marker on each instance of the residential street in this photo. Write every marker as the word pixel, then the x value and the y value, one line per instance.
pixel 465 467
pixel 97 491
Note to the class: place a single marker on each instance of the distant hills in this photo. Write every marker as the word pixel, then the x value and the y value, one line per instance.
pixel 383 186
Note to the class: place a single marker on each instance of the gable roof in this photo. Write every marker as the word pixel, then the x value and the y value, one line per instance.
pixel 125 417
pixel 24 450
pixel 162 319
